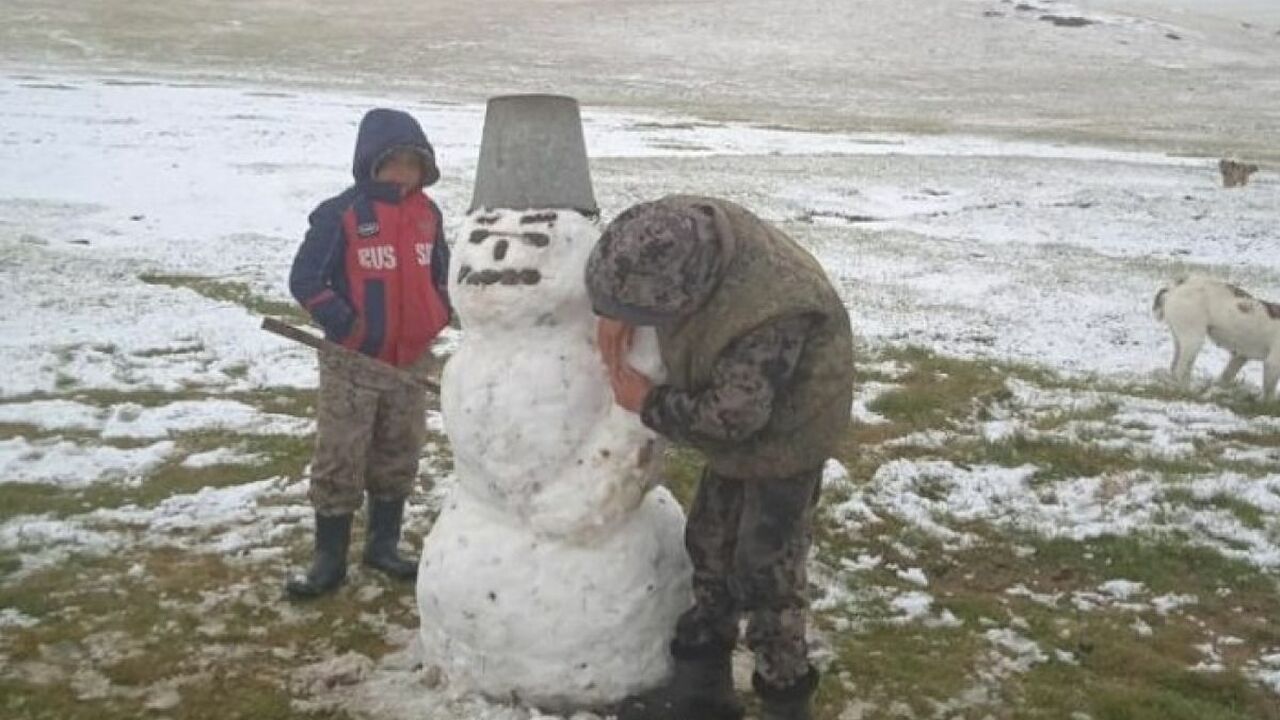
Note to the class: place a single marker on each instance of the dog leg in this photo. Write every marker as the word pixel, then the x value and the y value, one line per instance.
pixel 1270 374
pixel 1187 347
pixel 1232 369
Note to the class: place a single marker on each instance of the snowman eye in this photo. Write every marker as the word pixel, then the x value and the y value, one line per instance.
pixel 545 217
pixel 479 236
pixel 536 239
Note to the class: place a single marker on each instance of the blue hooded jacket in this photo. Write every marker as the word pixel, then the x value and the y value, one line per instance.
pixel 320 278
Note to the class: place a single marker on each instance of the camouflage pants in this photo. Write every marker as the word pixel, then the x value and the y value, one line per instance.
pixel 369 433
pixel 749 541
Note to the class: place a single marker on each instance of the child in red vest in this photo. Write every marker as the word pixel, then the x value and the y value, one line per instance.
pixel 372 271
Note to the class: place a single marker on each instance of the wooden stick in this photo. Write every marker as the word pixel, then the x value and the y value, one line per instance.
pixel 299 335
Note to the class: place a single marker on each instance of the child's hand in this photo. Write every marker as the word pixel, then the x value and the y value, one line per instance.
pixel 337 318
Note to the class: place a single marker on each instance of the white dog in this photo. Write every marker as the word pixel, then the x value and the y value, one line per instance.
pixel 1236 321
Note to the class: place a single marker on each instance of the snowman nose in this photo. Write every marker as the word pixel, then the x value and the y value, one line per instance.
pixel 500 250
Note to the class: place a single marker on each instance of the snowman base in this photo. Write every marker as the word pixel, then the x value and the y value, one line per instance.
pixel 560 624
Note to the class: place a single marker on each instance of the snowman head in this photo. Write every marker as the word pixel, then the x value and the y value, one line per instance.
pixel 522 268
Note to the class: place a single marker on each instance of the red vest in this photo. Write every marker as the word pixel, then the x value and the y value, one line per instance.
pixel 388 267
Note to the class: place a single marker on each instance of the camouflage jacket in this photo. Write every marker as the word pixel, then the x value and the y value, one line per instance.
pixel 739 400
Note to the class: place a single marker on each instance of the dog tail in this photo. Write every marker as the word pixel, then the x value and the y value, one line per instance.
pixel 1157 307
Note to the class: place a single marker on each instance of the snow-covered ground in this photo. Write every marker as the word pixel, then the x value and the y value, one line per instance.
pixel 976 247
pixel 1038 252
pixel 1184 74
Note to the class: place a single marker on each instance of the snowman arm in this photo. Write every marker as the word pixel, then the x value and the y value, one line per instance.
pixel 581 505
pixel 616 466
pixel 738 401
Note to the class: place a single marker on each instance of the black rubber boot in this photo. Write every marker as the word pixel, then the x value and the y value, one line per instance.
pixel 789 703
pixel 380 547
pixel 329 565
pixel 701 688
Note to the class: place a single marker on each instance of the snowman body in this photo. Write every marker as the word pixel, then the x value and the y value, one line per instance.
pixel 556 571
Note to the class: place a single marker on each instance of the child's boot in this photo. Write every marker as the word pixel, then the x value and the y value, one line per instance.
pixel 329 564
pixel 788 703
pixel 381 546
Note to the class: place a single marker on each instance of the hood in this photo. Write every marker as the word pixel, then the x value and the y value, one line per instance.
pixel 383 130
pixel 659 261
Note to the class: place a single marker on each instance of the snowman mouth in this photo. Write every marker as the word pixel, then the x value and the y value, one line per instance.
pixel 482 278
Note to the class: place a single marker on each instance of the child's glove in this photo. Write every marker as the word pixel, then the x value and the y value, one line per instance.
pixel 335 316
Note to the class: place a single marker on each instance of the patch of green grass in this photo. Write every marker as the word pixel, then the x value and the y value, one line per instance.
pixel 38 498
pixel 1057 459
pixel 1163 564
pixel 38 434
pixel 937 392
pixel 285 400
pixel 911 664
pixel 299 402
pixel 1235 398
pixel 105 398
pixel 1120 673
pixel 282 456
pixel 169 351
pixel 164 612
pixel 1055 420
pixel 682 471
pixel 934 392
pixel 9 563
pixel 28 701
pixel 230 291
pixel 1249 515
pixel 64 598
pixel 8 431
pixel 253 699
pixel 238 371
pixel 1269 440
pixel 1123 678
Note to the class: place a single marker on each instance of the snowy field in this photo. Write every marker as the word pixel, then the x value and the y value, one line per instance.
pixel 1026 521
pixel 1173 74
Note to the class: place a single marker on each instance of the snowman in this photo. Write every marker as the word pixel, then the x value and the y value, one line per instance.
pixel 556 571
